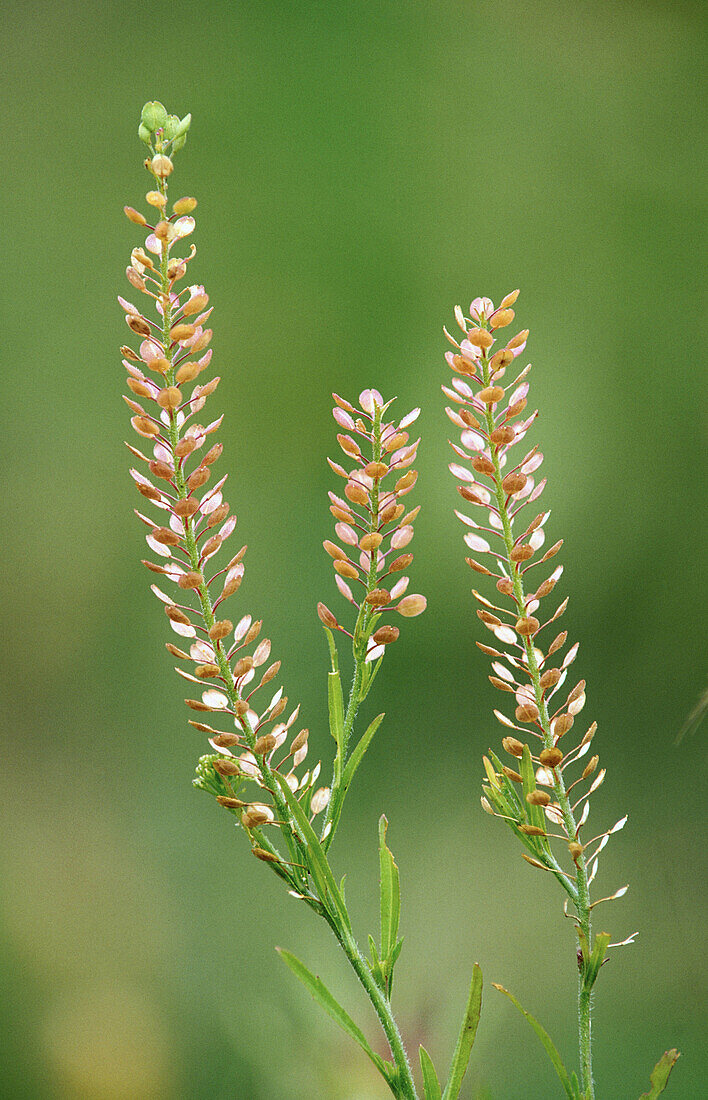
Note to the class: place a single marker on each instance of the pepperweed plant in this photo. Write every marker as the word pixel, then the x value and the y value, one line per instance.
pixel 256 767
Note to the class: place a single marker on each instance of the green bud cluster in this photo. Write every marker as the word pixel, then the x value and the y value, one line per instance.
pixel 207 779
pixel 163 133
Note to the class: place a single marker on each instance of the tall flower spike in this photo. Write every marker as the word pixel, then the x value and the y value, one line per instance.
pixel 227 664
pixel 373 529
pixel 545 801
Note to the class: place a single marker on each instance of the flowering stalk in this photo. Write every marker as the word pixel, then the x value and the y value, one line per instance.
pixel 544 805
pixel 250 770
pixel 372 526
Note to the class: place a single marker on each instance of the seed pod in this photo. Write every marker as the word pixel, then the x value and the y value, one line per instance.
pixel 491 395
pixel 562 724
pixel 371 541
pixel 521 553
pixel 590 766
pixel 400 563
pixel 326 617
pixel 505 586
pixel 166 536
pixel 514 482
pixel 264 744
pixel 159 364
pixel 184 206
pixel 176 615
pixel 207 672
pixel 480 337
pixel 531 830
pixel 527 712
pixel 406 482
pixel 185 508
pixel 379 597
pixel 512 746
pixel 187 373
pixel 527 626
pixel 412 605
pixel 161 166
pixel 346 569
pixel 229 802
pixel 220 630
pixel 242 666
pixel 551 758
pixel 300 740
pixel 501 359
pixel 145 427
pixel 181 332
pixel 356 493
pixel 501 318
pixel 226 740
pixel 502 435
pixel 211 546
pixel 518 340
pixel 395 441
pixel 161 469
pixel 470 495
pixel 195 305
pixel 190 580
pixel 134 216
pixel 376 470
pixel 538 798
pixel 137 325
pixel 266 857
pixel 469 418
pixel 483 465
pixel 218 514
pixel 575 849
pixel 511 774
pixel 386 634
pixel 169 398
pixel 198 477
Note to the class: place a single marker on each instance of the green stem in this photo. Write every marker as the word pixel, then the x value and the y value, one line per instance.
pixel 404 1086
pixel 581 898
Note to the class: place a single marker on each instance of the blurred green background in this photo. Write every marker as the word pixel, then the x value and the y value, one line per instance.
pixel 360 168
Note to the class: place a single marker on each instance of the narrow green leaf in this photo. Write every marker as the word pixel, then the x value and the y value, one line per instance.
pixel 390 894
pixel 592 968
pixel 660 1074
pixel 465 1039
pixel 359 750
pixel 546 1040
pixel 333 1008
pixel 430 1077
pixel 335 700
pixel 318 865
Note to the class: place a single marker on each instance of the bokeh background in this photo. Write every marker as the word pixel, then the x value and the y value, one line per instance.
pixel 360 168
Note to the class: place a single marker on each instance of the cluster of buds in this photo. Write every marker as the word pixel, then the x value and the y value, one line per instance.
pixel 534 796
pixel 189 533
pixel 373 527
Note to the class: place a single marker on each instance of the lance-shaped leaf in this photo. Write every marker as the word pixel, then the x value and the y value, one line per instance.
pixel 333 1008
pixel 593 964
pixel 431 1085
pixel 390 899
pixel 465 1039
pixel 660 1074
pixel 547 1043
pixel 336 708
pixel 319 867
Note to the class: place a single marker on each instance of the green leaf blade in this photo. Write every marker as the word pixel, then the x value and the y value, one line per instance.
pixel 320 868
pixel 465 1039
pixel 547 1042
pixel 333 1009
pixel 431 1084
pixel 660 1074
